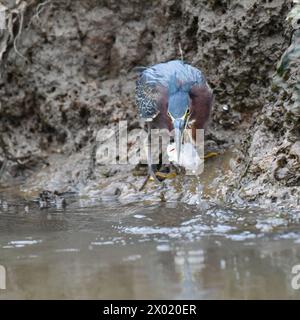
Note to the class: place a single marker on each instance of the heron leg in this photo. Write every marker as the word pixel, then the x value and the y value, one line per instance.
pixel 168 171
pixel 149 155
pixel 144 183
pixel 151 173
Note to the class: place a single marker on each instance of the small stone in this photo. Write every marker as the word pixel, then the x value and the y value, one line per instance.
pixel 225 108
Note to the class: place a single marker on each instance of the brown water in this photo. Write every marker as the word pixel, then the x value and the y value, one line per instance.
pixel 146 250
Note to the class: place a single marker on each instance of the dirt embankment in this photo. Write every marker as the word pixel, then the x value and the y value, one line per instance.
pixel 67 71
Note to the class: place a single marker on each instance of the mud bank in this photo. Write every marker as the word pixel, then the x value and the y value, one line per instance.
pixel 67 71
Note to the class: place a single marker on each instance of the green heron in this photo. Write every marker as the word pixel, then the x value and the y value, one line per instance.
pixel 173 96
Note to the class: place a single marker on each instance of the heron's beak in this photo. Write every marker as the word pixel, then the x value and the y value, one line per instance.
pixel 179 125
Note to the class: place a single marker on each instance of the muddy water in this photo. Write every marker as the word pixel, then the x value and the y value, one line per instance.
pixel 146 250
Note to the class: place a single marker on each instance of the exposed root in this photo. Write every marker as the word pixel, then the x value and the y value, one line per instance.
pixel 9 39
pixel 20 12
pixel 39 9
pixel 15 16
pixel 180 51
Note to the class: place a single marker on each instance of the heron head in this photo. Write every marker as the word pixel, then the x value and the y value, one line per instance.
pixel 178 111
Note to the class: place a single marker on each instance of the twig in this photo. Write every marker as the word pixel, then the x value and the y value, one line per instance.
pixel 18 35
pixel 3 167
pixel 180 50
pixel 39 10
pixel 40 7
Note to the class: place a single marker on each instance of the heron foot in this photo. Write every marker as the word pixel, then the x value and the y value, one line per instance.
pixel 168 171
pixel 164 175
pixel 158 177
pixel 210 155
pixel 151 176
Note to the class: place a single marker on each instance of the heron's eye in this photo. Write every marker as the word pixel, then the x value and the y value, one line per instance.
pixel 188 111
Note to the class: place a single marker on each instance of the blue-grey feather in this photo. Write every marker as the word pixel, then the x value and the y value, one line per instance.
pixel 177 77
pixel 163 72
pixel 178 104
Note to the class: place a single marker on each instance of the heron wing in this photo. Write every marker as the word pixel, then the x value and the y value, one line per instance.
pixel 147 96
